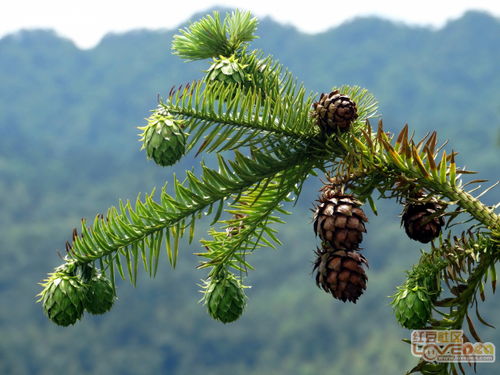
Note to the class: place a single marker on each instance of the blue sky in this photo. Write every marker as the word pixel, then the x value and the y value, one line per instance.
pixel 86 22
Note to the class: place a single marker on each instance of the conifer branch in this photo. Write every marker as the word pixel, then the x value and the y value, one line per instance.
pixel 253 214
pixel 228 117
pixel 128 231
pixel 415 163
pixel 469 260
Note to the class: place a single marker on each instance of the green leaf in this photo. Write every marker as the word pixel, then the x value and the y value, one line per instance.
pixel 453 170
pixel 443 166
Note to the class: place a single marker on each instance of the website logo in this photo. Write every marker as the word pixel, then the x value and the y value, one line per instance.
pixel 449 346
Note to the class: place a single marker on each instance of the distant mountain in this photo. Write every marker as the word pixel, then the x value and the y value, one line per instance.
pixel 69 149
pixel 400 64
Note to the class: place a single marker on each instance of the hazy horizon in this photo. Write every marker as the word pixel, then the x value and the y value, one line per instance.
pixel 88 24
pixel 298 29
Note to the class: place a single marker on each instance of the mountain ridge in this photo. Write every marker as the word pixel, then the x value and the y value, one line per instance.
pixel 485 16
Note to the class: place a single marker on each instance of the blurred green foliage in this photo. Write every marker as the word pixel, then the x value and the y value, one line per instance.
pixel 68 148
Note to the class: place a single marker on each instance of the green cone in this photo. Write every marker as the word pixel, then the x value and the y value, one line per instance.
pixel 100 295
pixel 224 298
pixel 63 298
pixel 412 306
pixel 228 70
pixel 163 138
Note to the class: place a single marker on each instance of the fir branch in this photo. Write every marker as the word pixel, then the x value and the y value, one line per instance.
pixel 272 78
pixel 405 160
pixel 133 233
pixel 231 118
pixel 472 254
pixel 253 215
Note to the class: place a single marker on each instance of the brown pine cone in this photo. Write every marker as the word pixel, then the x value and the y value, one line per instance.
pixel 341 273
pixel 339 220
pixel 418 221
pixel 334 111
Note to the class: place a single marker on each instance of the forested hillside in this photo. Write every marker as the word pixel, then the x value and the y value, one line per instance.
pixel 69 149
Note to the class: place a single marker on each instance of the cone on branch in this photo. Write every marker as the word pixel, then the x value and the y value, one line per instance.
pixel 63 298
pixel 163 138
pixel 334 112
pixel 100 295
pixel 339 220
pixel 224 297
pixel 228 70
pixel 412 306
pixel 341 273
pixel 422 219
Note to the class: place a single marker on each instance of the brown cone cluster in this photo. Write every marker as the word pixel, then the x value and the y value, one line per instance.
pixel 334 112
pixel 339 221
pixel 341 273
pixel 421 219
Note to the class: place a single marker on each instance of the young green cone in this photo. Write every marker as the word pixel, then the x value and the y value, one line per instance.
pixel 100 295
pixel 63 298
pixel 228 70
pixel 163 138
pixel 412 306
pixel 224 297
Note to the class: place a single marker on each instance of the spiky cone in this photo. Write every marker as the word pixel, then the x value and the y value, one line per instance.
pixel 163 138
pixel 100 295
pixel 224 297
pixel 339 220
pixel 228 70
pixel 412 306
pixel 63 298
pixel 421 219
pixel 341 273
pixel 334 112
